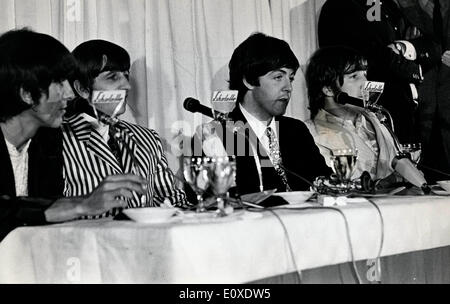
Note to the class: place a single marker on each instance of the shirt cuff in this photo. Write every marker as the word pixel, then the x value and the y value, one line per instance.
pixel 410 51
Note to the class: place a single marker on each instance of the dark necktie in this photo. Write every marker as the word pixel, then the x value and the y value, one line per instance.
pixel 275 155
pixel 113 143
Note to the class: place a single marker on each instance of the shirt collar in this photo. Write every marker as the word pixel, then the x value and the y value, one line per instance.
pixel 101 128
pixel 259 127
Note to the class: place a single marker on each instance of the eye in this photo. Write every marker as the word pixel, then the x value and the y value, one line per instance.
pixel 113 76
pixel 278 77
pixel 291 78
pixel 126 74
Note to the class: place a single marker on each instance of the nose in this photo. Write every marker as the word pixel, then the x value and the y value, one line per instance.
pixel 125 83
pixel 67 91
pixel 288 85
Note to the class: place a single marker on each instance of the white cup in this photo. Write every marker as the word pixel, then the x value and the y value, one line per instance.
pixel 445 184
pixel 150 214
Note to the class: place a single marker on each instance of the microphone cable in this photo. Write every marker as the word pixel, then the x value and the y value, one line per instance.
pixel 434 170
pixel 294 262
pixel 354 269
pixel 378 260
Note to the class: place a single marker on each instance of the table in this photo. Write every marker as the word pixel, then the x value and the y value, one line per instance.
pixel 238 249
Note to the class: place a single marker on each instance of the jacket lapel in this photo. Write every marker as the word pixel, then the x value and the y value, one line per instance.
pixel 93 142
pixel 7 184
pixel 247 177
pixel 128 148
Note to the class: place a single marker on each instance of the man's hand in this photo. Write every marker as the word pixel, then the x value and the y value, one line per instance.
pixel 105 197
pixel 412 32
pixel 446 58
pixel 108 194
pixel 394 48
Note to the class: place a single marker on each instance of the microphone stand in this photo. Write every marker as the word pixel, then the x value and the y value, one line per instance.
pixel 378 109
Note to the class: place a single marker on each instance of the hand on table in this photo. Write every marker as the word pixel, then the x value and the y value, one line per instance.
pixel 110 193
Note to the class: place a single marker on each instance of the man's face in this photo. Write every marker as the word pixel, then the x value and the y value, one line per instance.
pixel 112 80
pixel 354 83
pixel 272 95
pixel 50 110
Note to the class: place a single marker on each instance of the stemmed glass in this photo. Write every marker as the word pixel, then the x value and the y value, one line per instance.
pixel 195 171
pixel 344 161
pixel 413 150
pixel 222 175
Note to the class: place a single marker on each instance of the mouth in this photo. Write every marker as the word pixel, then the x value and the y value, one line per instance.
pixel 284 99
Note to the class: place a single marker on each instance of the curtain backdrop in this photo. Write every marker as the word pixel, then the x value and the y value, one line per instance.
pixel 178 48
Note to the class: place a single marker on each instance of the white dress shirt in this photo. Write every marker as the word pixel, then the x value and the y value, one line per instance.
pixel 259 128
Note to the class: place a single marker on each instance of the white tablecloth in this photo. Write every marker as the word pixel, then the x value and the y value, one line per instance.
pixel 233 250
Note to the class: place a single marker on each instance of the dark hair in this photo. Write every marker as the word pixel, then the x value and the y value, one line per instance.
pixel 326 68
pixel 255 57
pixel 96 56
pixel 31 61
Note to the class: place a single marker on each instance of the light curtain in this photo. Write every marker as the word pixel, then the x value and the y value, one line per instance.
pixel 178 48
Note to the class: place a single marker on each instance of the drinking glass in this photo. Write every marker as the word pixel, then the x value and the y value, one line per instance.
pixel 222 176
pixel 413 151
pixel 195 171
pixel 344 161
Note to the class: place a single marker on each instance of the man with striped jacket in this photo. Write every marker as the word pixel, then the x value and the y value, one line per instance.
pixel 97 144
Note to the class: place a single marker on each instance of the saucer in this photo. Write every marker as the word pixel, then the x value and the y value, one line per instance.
pixel 439 190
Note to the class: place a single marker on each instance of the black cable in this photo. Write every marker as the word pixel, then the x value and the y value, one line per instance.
pixel 434 170
pixel 296 175
pixel 347 230
pixel 297 271
pixel 382 234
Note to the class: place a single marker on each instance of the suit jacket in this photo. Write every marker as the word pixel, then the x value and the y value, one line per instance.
pixel 434 106
pixel 345 22
pixel 88 160
pixel 301 157
pixel 45 182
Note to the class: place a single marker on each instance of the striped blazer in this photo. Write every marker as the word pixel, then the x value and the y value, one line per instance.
pixel 88 160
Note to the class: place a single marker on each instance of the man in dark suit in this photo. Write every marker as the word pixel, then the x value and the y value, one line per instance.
pixel 272 151
pixel 432 17
pixel 395 53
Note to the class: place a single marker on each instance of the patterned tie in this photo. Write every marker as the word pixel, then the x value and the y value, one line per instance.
pixel 113 144
pixel 275 156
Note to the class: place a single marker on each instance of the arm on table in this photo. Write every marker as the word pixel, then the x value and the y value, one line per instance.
pixel 104 198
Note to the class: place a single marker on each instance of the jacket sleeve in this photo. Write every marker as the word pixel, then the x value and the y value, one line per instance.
pixel 165 186
pixel 21 211
pixel 320 166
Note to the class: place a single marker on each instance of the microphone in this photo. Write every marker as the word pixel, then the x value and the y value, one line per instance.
pixel 409 172
pixel 194 106
pixel 344 98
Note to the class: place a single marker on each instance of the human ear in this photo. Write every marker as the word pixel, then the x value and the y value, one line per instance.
pixel 84 93
pixel 327 91
pixel 247 84
pixel 26 96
